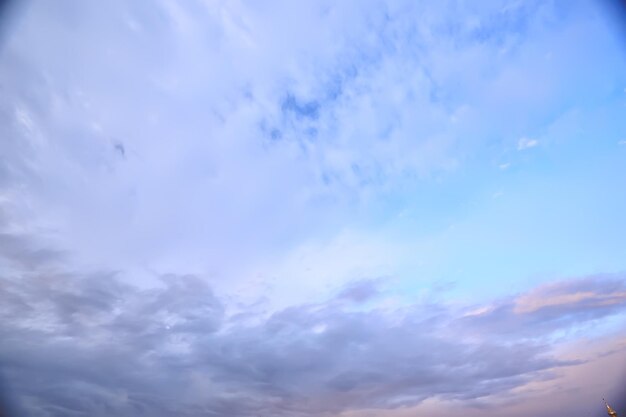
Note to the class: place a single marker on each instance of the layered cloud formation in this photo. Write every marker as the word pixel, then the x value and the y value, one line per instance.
pixel 364 208
pixel 77 343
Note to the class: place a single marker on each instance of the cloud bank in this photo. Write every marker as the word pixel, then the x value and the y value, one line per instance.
pixel 76 344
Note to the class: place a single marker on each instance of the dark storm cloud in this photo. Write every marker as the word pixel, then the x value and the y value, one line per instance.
pixel 75 345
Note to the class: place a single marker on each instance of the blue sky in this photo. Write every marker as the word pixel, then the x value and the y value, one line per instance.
pixel 295 185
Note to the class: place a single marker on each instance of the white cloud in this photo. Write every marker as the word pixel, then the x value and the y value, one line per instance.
pixel 222 174
pixel 526 143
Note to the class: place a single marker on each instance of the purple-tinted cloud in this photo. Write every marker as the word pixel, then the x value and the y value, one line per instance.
pixel 75 344
pixel 551 307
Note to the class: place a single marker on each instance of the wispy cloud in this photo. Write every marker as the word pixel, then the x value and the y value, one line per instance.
pixel 553 307
pixel 526 143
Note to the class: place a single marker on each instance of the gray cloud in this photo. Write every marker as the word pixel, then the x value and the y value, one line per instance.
pixel 93 345
pixel 76 343
pixel 20 250
pixel 360 291
pixel 550 307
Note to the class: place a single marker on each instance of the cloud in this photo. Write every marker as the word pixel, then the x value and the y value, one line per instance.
pixel 360 291
pixel 18 249
pixel 238 143
pixel 91 342
pixel 526 143
pixel 549 307
pixel 77 343
pixel 572 295
pixel 229 113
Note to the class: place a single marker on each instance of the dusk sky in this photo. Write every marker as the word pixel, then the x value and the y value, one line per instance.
pixel 312 208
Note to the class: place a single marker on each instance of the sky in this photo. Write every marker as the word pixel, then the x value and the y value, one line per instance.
pixel 355 208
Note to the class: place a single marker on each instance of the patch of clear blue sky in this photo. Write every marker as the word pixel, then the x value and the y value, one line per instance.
pixel 557 211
